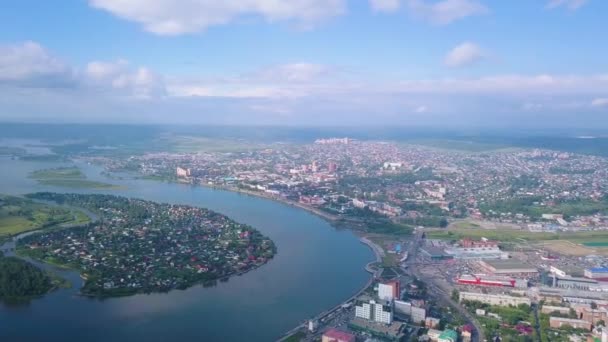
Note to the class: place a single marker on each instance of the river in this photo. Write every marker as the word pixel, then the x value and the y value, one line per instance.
pixel 316 268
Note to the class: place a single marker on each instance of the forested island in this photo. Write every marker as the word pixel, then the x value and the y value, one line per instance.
pixel 140 246
pixel 20 281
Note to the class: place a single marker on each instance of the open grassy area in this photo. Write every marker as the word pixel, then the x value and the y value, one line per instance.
pixel 18 215
pixel 68 177
pixel 572 243
pixel 78 184
pixel 58 173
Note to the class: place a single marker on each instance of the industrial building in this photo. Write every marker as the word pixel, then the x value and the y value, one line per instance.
pixel 390 290
pixel 508 267
pixel 435 253
pixel 568 282
pixel 558 322
pixel 548 309
pixel 416 314
pixel 476 253
pixel 484 280
pixel 597 273
pixel 378 311
pixel 494 299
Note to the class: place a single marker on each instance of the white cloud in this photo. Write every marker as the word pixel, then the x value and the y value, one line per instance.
pixel 446 11
pixel 138 82
pixel 30 65
pixel 385 5
pixel 600 102
pixel 294 72
pixel 464 54
pixel 421 109
pixel 570 4
pixel 170 17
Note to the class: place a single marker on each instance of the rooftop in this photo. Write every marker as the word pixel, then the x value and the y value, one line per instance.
pixel 507 264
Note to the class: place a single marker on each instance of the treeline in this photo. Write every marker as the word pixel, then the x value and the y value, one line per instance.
pixel 426 221
pixel 530 206
pixel 21 280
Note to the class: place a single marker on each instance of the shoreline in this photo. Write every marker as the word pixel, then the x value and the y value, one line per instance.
pixel 325 215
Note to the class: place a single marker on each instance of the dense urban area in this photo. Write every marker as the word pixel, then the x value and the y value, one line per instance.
pixel 138 246
pixel 470 244
pixel 505 245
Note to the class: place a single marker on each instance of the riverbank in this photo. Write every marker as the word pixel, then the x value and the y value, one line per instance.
pixel 318 212
pixel 376 273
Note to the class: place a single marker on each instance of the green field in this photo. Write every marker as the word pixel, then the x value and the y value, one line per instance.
pixel 68 177
pixel 18 215
pixel 58 173
pixel 596 244
pixel 600 238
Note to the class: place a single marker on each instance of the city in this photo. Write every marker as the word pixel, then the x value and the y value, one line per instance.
pixel 467 225
pixel 304 170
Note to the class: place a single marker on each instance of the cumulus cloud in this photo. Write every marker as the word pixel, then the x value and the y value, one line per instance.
pixel 600 102
pixel 464 54
pixel 30 65
pixel 385 5
pixel 446 11
pixel 138 82
pixel 292 90
pixel 168 17
pixel 570 4
pixel 421 109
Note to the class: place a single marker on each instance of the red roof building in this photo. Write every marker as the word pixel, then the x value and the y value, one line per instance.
pixel 335 335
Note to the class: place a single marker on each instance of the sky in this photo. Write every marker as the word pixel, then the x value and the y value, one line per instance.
pixel 456 63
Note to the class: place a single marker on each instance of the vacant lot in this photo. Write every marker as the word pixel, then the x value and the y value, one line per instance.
pixel 571 243
pixel 571 248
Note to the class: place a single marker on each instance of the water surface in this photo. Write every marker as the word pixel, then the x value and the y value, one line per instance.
pixel 316 268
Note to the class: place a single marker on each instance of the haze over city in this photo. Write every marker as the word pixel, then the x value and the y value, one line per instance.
pixel 304 170
pixel 451 63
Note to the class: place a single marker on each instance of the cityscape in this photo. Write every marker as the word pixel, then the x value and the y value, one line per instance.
pixel 304 171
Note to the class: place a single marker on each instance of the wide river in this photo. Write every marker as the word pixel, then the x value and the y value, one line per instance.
pixel 316 268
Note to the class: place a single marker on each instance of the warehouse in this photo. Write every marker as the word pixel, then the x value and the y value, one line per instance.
pixel 511 267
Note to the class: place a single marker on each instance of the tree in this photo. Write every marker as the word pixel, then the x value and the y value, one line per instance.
pixel 455 295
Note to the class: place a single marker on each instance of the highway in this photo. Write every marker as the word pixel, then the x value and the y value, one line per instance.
pixel 442 296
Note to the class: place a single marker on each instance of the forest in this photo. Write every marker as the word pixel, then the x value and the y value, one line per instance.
pixel 21 280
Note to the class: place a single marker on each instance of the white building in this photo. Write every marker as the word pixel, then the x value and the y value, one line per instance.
pixel 377 311
pixel 386 291
pixel 494 299
pixel 364 310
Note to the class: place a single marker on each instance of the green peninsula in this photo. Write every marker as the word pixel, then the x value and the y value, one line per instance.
pixel 139 246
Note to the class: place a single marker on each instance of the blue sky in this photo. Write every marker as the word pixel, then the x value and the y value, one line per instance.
pixel 306 62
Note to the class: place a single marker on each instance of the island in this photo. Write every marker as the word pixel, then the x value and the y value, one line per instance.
pixel 68 177
pixel 20 281
pixel 139 246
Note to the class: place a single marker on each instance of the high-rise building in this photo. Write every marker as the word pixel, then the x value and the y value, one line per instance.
pixel 372 310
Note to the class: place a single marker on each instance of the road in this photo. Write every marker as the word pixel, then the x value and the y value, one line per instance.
pixel 442 296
